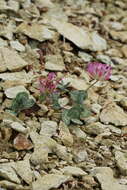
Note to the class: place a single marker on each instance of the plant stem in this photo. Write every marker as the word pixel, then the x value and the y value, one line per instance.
pixel 92 85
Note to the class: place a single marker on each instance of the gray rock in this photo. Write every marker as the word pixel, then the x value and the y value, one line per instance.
pixel 96 108
pixel 113 114
pixel 81 38
pixel 43 145
pixel 74 171
pixel 13 91
pixel 24 171
pixel 121 161
pixel 96 128
pixel 61 152
pixel 48 128
pixel 65 135
pixel 54 63
pixel 10 60
pixel 36 31
pixel 105 177
pixel 7 172
pixel 80 156
pixel 17 45
pixel 85 56
pixel 17 127
pixel 78 132
pixel 49 181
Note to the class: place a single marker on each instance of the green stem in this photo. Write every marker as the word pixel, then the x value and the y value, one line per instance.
pixel 92 85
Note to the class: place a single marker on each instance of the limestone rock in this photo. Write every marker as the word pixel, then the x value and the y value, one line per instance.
pixel 36 31
pixel 113 114
pixel 7 172
pixel 54 63
pixel 77 83
pixel 13 91
pixel 49 181
pixel 65 135
pixel 85 56
pixel 83 39
pixel 96 128
pixel 48 128
pixel 10 60
pixel 24 171
pixel 119 35
pixel 17 45
pixel 121 161
pixel 80 155
pixel 105 177
pixel 43 145
pixel 75 171
pixel 17 77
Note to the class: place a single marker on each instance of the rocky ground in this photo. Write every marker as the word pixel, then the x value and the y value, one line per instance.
pixel 38 151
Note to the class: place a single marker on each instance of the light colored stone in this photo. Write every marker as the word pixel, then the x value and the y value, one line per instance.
pixel 20 77
pixel 62 153
pixel 48 128
pixel 65 135
pixel 43 145
pixel 24 171
pixel 96 108
pixel 9 59
pixel 7 172
pixel 81 38
pixel 124 50
pixel 11 185
pixel 105 177
pixel 63 101
pixel 77 83
pixel 123 102
pixel 80 155
pixel 17 45
pixel 96 128
pixel 113 114
pixel 78 132
pixel 105 59
pixel 43 3
pixel 121 161
pixel 49 181
pixel 54 63
pixel 74 171
pixel 85 56
pixel 119 35
pixel 17 126
pixel 36 31
pixel 3 43
pixel 13 91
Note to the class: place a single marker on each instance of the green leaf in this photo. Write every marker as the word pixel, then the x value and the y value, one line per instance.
pixel 55 98
pixel 66 119
pixel 78 96
pixel 21 102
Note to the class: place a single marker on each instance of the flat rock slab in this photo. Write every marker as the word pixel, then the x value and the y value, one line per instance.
pixel 105 177
pixel 10 60
pixel 17 77
pixel 24 171
pixel 36 31
pixel 49 181
pixel 121 161
pixel 113 114
pixel 81 38
pixel 13 91
pixel 54 63
pixel 75 171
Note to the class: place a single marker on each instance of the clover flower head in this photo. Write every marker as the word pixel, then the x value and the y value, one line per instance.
pixel 99 71
pixel 48 84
